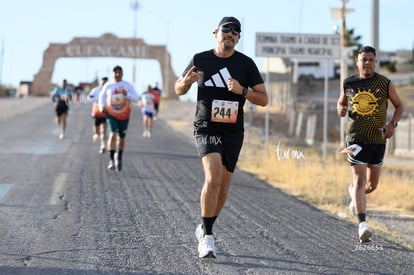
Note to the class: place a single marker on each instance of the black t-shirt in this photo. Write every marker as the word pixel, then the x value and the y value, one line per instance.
pixel 213 95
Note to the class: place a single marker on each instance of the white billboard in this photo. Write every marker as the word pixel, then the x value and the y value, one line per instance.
pixel 298 45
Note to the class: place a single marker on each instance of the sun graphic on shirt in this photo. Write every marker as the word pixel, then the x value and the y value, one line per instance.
pixel 364 103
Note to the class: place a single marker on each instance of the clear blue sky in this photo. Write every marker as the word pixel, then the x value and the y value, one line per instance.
pixel 185 26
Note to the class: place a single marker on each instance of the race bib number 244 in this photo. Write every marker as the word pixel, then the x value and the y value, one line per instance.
pixel 224 111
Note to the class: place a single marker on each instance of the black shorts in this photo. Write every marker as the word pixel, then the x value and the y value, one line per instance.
pixel 372 154
pixel 229 146
pixel 61 109
pixel 99 121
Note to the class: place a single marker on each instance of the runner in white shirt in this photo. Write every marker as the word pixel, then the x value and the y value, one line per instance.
pixel 148 111
pixel 115 100
pixel 99 128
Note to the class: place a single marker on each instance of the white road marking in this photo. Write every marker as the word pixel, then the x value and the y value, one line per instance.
pixel 4 188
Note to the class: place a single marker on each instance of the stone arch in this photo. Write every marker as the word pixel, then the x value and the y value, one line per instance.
pixel 107 45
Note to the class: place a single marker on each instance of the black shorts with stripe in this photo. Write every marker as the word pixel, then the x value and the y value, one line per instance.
pixel 372 154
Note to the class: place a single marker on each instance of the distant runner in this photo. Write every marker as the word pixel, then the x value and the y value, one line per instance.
pixel 99 128
pixel 61 96
pixel 115 99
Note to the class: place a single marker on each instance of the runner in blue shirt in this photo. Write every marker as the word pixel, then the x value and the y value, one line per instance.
pixel 61 96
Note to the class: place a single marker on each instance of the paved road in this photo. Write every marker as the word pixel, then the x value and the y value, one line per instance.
pixel 62 212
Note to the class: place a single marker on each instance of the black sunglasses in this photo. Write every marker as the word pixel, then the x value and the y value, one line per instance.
pixel 227 30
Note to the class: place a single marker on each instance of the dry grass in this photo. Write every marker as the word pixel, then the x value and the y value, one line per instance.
pixel 324 184
pixel 396 190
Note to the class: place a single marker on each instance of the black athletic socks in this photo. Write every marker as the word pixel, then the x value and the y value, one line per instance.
pixel 208 225
pixel 361 217
pixel 111 154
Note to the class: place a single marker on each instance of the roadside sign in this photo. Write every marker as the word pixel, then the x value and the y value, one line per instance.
pixel 294 45
pixel 298 45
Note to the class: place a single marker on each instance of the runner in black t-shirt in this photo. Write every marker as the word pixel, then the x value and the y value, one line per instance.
pixel 225 79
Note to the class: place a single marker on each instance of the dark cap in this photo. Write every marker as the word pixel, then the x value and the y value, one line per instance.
pixel 117 68
pixel 104 79
pixel 227 20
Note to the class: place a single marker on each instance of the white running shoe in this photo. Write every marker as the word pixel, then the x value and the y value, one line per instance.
pixel 95 137
pixel 146 134
pixel 111 165
pixel 351 205
pixel 61 136
pixel 206 247
pixel 364 233
pixel 199 233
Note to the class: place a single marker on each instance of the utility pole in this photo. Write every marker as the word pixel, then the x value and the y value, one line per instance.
pixel 345 50
pixel 344 66
pixel 344 39
pixel 375 25
pixel 134 7
pixel 375 28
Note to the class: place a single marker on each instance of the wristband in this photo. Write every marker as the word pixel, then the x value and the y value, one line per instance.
pixel 245 91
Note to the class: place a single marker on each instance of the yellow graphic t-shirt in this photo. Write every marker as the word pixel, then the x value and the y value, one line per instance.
pixel 367 107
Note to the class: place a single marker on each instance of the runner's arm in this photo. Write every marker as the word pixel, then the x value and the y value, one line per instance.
pixel 342 105
pixel 396 102
pixel 132 94
pixel 183 83
pixel 257 95
pixel 102 100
